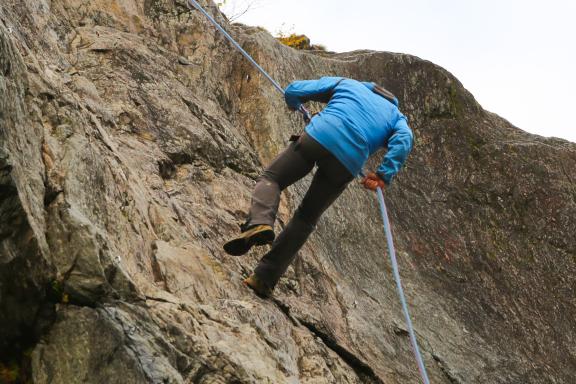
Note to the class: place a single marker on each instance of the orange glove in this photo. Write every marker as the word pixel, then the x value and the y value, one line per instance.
pixel 372 181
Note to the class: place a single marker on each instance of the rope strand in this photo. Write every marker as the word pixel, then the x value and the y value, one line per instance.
pixel 396 272
pixel 195 4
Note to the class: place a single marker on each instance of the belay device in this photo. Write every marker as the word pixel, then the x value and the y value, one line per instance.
pixel 383 211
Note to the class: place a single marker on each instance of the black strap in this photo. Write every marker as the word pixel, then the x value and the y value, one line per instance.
pixel 294 138
pixel 379 90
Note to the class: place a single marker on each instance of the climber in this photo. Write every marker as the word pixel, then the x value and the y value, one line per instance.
pixel 360 118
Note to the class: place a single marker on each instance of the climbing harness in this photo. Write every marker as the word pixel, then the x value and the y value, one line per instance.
pixel 383 210
pixel 305 113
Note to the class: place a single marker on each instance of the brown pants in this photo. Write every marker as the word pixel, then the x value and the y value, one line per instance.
pixel 330 180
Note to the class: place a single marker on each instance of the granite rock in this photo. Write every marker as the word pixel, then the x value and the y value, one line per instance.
pixel 131 135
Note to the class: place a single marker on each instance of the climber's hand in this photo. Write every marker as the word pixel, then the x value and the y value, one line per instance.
pixel 305 113
pixel 372 181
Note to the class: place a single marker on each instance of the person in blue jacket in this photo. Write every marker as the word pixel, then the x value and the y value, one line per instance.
pixel 359 118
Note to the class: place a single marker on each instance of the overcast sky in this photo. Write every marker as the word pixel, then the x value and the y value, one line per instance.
pixel 518 57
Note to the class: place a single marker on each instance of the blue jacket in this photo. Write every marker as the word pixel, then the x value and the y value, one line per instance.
pixel 355 123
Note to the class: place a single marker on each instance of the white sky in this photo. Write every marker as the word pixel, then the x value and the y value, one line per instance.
pixel 517 57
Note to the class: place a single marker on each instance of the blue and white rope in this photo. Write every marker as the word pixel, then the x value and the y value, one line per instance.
pixel 396 272
pixel 196 5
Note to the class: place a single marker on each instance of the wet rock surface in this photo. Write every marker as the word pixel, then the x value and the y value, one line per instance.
pixel 131 134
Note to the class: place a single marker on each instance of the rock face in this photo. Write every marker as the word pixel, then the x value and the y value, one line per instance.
pixel 131 134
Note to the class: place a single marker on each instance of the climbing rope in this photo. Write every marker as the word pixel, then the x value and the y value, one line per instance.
pixel 396 272
pixel 194 3
pixel 383 210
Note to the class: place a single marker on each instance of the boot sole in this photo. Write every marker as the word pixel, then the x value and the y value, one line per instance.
pixel 262 238
pixel 240 246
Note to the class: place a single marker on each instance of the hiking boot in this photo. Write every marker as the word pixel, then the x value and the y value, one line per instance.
pixel 258 286
pixel 257 235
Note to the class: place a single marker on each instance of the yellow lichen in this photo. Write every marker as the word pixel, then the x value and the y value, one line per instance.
pixel 295 41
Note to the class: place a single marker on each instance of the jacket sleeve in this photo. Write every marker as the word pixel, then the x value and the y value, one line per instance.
pixel 399 147
pixel 302 91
